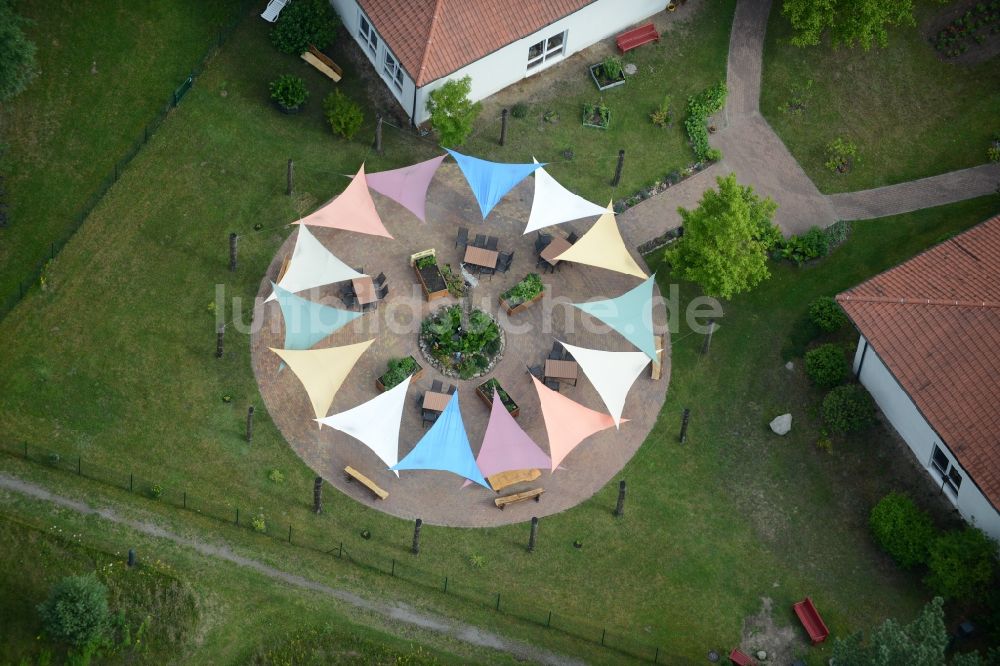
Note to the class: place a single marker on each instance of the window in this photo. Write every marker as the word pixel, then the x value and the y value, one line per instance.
pixel 546 50
pixel 393 71
pixel 950 476
pixel 368 34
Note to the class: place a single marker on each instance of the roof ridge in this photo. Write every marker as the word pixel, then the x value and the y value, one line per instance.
pixel 843 298
pixel 425 56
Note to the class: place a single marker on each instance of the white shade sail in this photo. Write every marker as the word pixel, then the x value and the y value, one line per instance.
pixel 312 265
pixel 611 373
pixel 554 204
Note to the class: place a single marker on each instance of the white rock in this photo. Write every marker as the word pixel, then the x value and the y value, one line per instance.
pixel 762 655
pixel 789 366
pixel 781 424
pixel 631 69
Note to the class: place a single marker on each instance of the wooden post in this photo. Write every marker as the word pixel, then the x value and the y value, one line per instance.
pixel 708 338
pixel 618 169
pixel 620 509
pixel 318 495
pixel 684 425
pixel 290 177
pixel 233 238
pixel 131 557
pixel 219 336
pixel 415 549
pixel 503 127
pixel 534 534
pixel 250 423
pixel 378 133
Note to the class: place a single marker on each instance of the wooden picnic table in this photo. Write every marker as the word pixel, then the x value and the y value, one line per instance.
pixel 502 480
pixel 480 256
pixel 562 370
pixel 364 289
pixel 436 402
pixel 557 246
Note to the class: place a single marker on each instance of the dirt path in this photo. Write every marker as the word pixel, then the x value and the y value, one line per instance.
pixel 391 610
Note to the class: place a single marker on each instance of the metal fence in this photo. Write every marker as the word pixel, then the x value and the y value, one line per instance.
pixel 506 601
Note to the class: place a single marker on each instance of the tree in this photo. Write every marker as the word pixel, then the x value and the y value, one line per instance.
pixel 452 113
pixel 901 529
pixel 848 408
pixel 17 53
pixel 343 114
pixel 962 564
pixel 76 611
pixel 302 23
pixel 920 643
pixel 726 240
pixel 849 22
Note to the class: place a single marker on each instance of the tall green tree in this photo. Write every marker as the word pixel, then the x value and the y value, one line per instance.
pixel 849 22
pixel 17 53
pixel 452 112
pixel 726 240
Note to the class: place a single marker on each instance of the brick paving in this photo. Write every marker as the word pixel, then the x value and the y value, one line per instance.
pixel 437 497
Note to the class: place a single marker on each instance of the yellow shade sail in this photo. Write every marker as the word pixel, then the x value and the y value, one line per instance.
pixel 602 246
pixel 322 371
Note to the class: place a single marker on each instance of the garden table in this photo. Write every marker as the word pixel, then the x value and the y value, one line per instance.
pixel 480 256
pixel 561 370
pixel 557 246
pixel 364 289
pixel 435 402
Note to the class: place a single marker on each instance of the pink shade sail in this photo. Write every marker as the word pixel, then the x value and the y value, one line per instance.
pixel 567 422
pixel 351 210
pixel 407 186
pixel 506 446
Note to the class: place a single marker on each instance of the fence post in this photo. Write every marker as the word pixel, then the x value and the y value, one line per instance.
pixel 498 601
pixel 548 622
pixel 290 178
pixel 620 509
pixel 415 549
pixel 393 572
pixel 603 633
pixel 79 465
pixel 233 238
pixel 185 499
pixel 219 338
pixel 250 424
pixel 378 133
pixel 446 585
pixel 340 551
pixel 533 534
pixel 503 127
pixel 289 533
pixel 237 515
pixel 708 338
pixel 656 657
pixel 130 482
pixel 684 424
pixel 618 169
pixel 25 450
pixel 318 495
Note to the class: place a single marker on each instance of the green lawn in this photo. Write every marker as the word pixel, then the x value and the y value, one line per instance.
pixel 910 114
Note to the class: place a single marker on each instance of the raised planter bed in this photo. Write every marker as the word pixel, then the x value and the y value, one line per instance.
pixel 396 372
pixel 429 275
pixel 485 393
pixel 602 81
pixel 523 294
pixel 596 115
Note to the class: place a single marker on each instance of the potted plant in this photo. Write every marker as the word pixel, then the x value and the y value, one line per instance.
pixel 397 370
pixel 429 274
pixel 523 294
pixel 485 392
pixel 289 92
pixel 608 73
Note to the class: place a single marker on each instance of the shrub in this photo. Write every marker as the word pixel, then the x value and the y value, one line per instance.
pixel 612 66
pixel 901 529
pixel 343 114
pixel 156 491
pixel 302 23
pixel 700 107
pixel 962 564
pixel 275 476
pixel 17 53
pixel 289 91
pixel 398 370
pixel 837 233
pixel 813 244
pixel 827 366
pixel 848 408
pixel 992 152
pixel 827 314
pixel 662 116
pixel 597 114
pixel 258 523
pixel 840 155
pixel 523 291
pixel 76 611
pixel 452 112
pixel 519 110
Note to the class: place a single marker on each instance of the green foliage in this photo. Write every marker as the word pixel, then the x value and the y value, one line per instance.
pixel 17 53
pixel 302 23
pixel 993 152
pixel 477 561
pixel 490 386
pixel 76 611
pixel 800 95
pixel 398 370
pixel 597 114
pixel 662 117
pixel 700 107
pixel 840 154
pixel 343 114
pixel 330 644
pixel 827 314
pixel 466 350
pixel 972 27
pixel 454 280
pixel 827 365
pixel 258 523
pixel 612 67
pixel 920 643
pixel 426 262
pixel 726 240
pixel 962 564
pixel 156 491
pixel 452 113
pixel 813 244
pixel 525 290
pixel 275 476
pixel 848 408
pixel 848 22
pixel 519 110
pixel 901 529
pixel 289 91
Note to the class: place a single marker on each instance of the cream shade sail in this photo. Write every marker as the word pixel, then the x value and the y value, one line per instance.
pixel 602 246
pixel 322 371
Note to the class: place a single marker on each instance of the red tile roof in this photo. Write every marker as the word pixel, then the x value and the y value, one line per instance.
pixel 935 323
pixel 433 38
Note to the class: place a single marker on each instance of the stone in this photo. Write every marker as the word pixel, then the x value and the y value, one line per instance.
pixel 781 424
pixel 631 69
pixel 789 366
pixel 762 655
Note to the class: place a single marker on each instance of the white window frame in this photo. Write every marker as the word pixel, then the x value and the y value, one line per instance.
pixel 548 52
pixel 946 473
pixel 369 35
pixel 393 70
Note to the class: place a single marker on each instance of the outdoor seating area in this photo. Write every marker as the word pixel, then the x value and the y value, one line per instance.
pixel 549 247
pixel 482 255
pixel 435 401
pixel 364 292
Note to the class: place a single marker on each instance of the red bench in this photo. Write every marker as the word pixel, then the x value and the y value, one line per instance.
pixel 637 37
pixel 810 619
pixel 741 658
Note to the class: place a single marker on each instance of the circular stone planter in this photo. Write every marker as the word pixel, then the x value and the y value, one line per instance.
pixel 450 370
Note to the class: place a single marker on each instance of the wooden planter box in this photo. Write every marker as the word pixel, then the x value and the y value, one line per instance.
pixel 487 397
pixel 588 121
pixel 431 280
pixel 521 307
pixel 416 374
pixel 597 82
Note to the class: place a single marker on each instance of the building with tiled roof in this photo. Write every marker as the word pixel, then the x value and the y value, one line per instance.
pixel 929 354
pixel 418 45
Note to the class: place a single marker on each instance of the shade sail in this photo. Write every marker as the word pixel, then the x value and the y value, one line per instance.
pixel 490 181
pixel 312 265
pixel 445 447
pixel 506 446
pixel 631 314
pixel 407 186
pixel 322 371
pixel 554 204
pixel 351 210
pixel 375 423
pixel 567 422
pixel 602 246
pixel 611 373
pixel 306 322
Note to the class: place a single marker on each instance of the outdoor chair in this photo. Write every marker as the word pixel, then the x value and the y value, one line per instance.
pixel 480 241
pixel 350 300
pixel 346 289
pixel 380 280
pixel 428 416
pixel 360 269
pixel 451 389
pixel 436 386
pixel 557 352
pixel 551 384
pixel 567 356
pixel 542 241
pixel 504 261
pixel 536 371
pixel 572 238
pixel 486 270
pixel 382 292
pixel 462 239
pixel 492 242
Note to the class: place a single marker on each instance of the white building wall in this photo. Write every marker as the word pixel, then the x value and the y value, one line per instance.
pixel 921 438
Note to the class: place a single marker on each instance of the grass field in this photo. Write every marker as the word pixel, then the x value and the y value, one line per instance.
pixel 910 114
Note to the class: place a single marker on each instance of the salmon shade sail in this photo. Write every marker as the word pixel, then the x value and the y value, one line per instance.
pixel 611 373
pixel 567 422
pixel 407 186
pixel 306 322
pixel 631 314
pixel 351 210
pixel 322 371
pixel 375 423
pixel 602 246
pixel 490 181
pixel 312 265
pixel 554 204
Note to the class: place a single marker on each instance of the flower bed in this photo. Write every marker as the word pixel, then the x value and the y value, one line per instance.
pixel 523 294
pixel 485 392
pixel 461 344
pixel 596 115
pixel 608 74
pixel 397 371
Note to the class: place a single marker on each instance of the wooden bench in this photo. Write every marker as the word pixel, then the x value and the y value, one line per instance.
pixel 741 658
pixel 320 61
pixel 501 480
pixel 656 368
pixel 284 267
pixel 810 619
pixel 365 481
pixel 637 37
pixel 534 493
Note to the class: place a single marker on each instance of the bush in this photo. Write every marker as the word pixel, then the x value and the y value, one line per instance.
pixel 901 529
pixel 452 112
pixel 156 491
pixel 612 66
pixel 992 152
pixel 814 244
pixel 700 107
pixel 289 91
pixel 962 564
pixel 258 523
pixel 275 476
pixel 827 366
pixel 343 114
pixel 302 23
pixel 519 110
pixel 848 408
pixel 840 155
pixel 397 371
pixel 76 611
pixel 827 314
pixel 17 53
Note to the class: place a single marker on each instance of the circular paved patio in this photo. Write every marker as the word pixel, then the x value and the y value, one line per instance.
pixel 438 497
